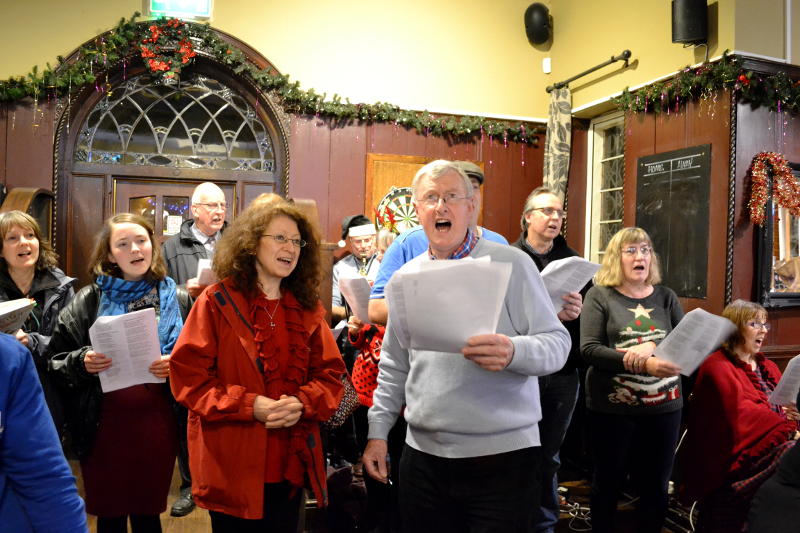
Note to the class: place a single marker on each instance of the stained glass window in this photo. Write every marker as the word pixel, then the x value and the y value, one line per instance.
pixel 198 123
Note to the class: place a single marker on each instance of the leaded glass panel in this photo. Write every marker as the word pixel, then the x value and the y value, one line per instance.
pixel 200 123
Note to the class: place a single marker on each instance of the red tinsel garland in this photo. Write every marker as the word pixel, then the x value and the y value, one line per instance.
pixel 167 49
pixel 785 187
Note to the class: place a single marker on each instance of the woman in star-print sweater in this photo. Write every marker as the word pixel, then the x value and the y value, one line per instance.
pixel 633 398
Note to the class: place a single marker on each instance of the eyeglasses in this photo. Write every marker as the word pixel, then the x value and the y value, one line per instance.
pixel 633 250
pixel 550 211
pixel 214 206
pixel 283 239
pixel 432 200
pixel 758 325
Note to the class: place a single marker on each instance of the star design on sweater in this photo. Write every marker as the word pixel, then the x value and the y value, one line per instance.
pixel 639 310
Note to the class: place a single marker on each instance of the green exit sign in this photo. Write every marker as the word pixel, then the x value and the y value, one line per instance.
pixel 185 9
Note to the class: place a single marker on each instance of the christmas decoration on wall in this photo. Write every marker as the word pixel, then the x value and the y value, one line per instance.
pixel 167 49
pixel 785 187
pixel 168 45
pixel 776 92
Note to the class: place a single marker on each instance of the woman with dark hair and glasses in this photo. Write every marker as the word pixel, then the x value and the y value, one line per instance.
pixel 735 436
pixel 259 369
pixel 633 398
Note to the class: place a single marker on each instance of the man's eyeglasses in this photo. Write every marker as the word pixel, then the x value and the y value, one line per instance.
pixel 283 239
pixel 633 250
pixel 432 200
pixel 213 206
pixel 758 325
pixel 550 211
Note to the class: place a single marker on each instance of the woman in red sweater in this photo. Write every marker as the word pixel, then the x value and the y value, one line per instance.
pixel 735 435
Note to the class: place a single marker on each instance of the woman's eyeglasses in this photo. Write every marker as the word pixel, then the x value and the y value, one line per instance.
pixel 283 239
pixel 758 325
pixel 633 250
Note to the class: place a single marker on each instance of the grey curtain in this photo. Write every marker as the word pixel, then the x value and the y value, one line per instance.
pixel 558 141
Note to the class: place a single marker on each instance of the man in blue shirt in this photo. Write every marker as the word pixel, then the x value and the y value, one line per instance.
pixel 413 242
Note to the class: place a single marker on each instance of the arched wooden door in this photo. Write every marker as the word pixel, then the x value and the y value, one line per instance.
pixel 144 146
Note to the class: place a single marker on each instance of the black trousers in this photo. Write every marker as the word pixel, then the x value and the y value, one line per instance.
pixel 281 513
pixel 646 443
pixel 492 493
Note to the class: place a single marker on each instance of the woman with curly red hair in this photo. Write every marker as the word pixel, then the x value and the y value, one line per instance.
pixel 258 368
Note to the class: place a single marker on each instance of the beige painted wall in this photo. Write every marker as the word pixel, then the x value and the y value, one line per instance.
pixel 468 56
pixel 761 27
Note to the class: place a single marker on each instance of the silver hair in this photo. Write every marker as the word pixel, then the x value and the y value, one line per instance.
pixel 204 188
pixel 435 170
pixel 538 191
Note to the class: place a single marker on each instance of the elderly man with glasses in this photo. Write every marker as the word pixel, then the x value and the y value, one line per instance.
pixel 542 218
pixel 196 240
pixel 472 453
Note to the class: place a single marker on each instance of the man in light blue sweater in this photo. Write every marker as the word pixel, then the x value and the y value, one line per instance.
pixel 472 449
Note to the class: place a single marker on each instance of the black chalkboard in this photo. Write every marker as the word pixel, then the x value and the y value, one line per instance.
pixel 672 192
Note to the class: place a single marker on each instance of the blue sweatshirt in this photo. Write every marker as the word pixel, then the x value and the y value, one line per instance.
pixel 37 489
pixel 454 408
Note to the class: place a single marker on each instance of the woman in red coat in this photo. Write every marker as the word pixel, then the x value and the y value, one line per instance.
pixel 735 435
pixel 258 368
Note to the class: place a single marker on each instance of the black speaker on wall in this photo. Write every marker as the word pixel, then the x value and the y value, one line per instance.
pixel 689 21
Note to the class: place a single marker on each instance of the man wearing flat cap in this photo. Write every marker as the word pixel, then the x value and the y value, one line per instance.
pixel 358 234
pixel 413 242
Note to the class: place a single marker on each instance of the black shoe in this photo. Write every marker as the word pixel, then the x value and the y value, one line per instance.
pixel 184 504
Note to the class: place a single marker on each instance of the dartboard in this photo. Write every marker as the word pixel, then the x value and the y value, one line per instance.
pixel 398 203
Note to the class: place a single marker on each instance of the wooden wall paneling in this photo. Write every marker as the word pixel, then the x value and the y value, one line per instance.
pixel 755 132
pixel 708 122
pixel 29 145
pixel 309 164
pixel 395 139
pixel 501 166
pixel 87 193
pixel 576 188
pixel 640 140
pixel 346 175
pixel 3 141
pixel 670 130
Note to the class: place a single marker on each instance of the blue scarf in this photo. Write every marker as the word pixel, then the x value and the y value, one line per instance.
pixel 116 294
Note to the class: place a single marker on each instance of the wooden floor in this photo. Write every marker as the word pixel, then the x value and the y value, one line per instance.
pixel 195 522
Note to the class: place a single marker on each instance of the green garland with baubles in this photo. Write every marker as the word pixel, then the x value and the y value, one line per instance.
pixel 776 92
pixel 165 46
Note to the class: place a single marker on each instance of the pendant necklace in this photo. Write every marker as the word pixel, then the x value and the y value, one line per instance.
pixel 272 314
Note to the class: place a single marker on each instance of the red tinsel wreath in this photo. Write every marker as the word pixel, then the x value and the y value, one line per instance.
pixel 167 49
pixel 785 187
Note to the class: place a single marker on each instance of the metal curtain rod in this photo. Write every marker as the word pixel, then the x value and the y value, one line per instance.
pixel 624 56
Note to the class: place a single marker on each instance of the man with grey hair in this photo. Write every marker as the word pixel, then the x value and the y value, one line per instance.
pixel 472 453
pixel 196 240
pixel 542 217
pixel 413 242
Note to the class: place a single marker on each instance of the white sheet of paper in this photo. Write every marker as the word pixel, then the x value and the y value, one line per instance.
pixel 440 306
pixel 695 338
pixel 787 388
pixel 565 276
pixel 205 276
pixel 14 313
pixel 356 292
pixel 131 341
pixel 173 224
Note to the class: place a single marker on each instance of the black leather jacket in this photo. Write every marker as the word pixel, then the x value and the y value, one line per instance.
pixel 69 343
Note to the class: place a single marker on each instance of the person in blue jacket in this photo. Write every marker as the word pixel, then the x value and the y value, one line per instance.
pixel 37 489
